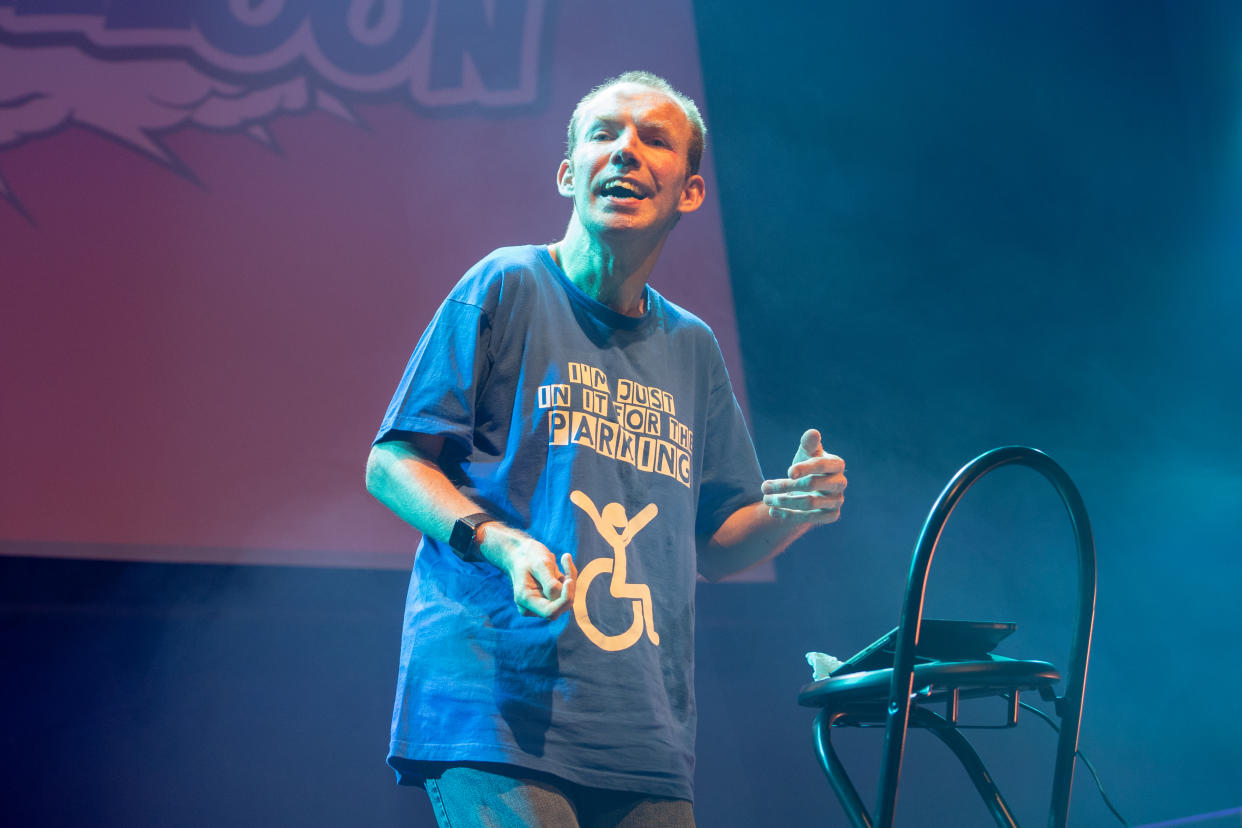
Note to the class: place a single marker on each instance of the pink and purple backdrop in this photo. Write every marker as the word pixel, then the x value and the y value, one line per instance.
pixel 214 267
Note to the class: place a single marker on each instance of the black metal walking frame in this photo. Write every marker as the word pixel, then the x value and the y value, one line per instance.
pixel 861 698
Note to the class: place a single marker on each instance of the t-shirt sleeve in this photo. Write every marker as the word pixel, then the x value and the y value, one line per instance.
pixel 438 390
pixel 731 477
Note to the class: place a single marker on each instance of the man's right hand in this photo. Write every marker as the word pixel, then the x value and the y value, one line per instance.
pixel 539 586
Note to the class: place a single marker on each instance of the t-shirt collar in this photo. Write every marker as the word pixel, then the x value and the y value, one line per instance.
pixel 599 310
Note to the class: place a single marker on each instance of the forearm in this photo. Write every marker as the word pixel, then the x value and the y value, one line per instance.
pixel 407 478
pixel 747 537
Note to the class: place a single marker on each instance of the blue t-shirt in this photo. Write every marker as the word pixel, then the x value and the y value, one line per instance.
pixel 617 439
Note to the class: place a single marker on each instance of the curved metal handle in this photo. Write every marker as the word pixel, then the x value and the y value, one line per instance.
pixel 898 711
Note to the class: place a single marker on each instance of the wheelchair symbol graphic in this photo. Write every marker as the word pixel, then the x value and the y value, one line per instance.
pixel 617 530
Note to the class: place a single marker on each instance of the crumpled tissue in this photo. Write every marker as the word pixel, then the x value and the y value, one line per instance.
pixel 822 664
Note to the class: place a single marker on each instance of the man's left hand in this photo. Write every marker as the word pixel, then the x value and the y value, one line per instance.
pixel 815 488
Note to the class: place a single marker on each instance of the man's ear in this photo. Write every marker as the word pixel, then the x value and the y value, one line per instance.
pixel 692 194
pixel 565 179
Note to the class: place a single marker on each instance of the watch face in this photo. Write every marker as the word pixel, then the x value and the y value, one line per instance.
pixel 465 531
pixel 462 538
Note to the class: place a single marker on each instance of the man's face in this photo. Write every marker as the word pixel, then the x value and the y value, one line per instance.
pixel 629 167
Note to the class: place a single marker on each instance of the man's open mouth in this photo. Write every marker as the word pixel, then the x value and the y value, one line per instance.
pixel 621 189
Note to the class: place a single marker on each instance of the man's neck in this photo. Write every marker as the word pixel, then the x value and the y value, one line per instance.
pixel 613 274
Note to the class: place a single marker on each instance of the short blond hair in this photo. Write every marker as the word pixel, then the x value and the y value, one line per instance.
pixel 698 130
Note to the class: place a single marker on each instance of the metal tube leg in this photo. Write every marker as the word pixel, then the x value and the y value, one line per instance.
pixel 970 760
pixel 837 776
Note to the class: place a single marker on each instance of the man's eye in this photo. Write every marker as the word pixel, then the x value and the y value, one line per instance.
pixel 599 135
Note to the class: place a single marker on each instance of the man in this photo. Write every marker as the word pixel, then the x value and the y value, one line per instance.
pixel 569 445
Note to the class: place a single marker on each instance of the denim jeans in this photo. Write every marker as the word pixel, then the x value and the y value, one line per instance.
pixel 502 796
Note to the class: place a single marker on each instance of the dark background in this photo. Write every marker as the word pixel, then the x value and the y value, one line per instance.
pixel 950 226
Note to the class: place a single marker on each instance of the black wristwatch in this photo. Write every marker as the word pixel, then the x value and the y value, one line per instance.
pixel 465 537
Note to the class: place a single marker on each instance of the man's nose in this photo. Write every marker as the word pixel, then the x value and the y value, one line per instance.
pixel 623 154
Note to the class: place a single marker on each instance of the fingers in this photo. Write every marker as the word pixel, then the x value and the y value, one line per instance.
pixel 571 569
pixel 805 500
pixel 569 585
pixel 824 463
pixel 548 578
pixel 822 505
pixel 814 491
pixel 824 483
pixel 831 515
pixel 544 591
pixel 531 601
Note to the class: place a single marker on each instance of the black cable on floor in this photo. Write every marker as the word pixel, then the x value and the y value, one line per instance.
pixel 1090 767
